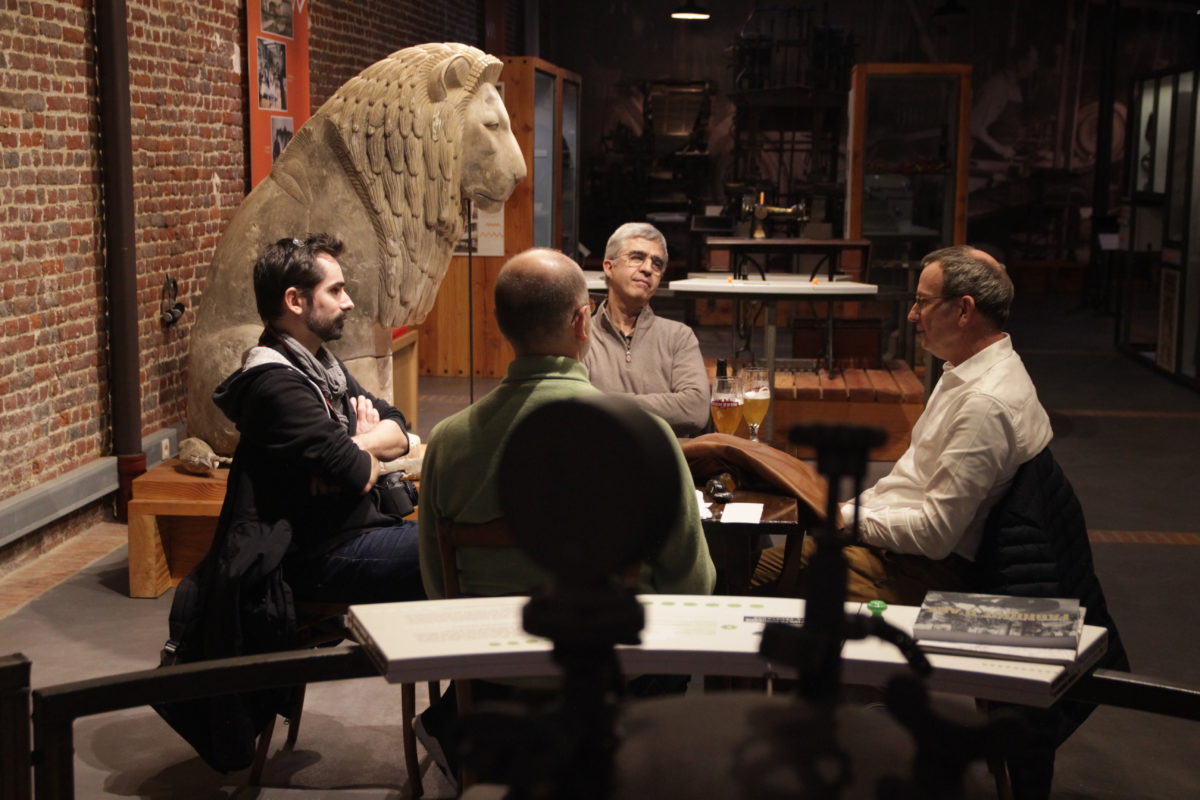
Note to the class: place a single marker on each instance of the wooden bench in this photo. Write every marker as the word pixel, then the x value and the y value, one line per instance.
pixel 172 518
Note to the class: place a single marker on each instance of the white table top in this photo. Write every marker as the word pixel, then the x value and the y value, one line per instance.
pixel 595 280
pixel 775 286
pixel 688 634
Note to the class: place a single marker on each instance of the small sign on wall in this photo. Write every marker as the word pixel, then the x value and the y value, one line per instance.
pixel 486 234
pixel 277 44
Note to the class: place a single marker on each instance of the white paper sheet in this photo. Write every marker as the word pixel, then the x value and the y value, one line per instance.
pixel 742 512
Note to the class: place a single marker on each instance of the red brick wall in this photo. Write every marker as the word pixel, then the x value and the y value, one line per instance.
pixel 52 384
pixel 187 75
pixel 349 35
pixel 188 98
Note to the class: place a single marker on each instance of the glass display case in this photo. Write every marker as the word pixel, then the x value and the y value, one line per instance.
pixel 907 168
pixel 906 182
pixel 1159 282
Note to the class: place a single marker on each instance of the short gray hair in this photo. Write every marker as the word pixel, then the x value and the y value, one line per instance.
pixel 633 230
pixel 533 307
pixel 984 280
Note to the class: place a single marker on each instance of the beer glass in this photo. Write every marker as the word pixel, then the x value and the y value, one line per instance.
pixel 727 403
pixel 756 396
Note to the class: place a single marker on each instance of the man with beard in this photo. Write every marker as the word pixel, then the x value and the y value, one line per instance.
pixel 312 438
pixel 304 517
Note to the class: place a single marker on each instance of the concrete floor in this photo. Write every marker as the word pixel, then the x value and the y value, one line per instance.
pixel 1125 436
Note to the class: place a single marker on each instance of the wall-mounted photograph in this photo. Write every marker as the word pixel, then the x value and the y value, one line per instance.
pixel 277 17
pixel 282 130
pixel 272 75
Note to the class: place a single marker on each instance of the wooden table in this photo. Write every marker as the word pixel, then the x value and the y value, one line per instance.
pixel 684 634
pixel 742 248
pixel 734 546
pixel 172 518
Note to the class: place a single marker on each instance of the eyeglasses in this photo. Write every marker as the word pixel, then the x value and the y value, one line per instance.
pixel 923 302
pixel 636 258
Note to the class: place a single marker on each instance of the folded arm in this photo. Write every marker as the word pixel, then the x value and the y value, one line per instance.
pixel 685 406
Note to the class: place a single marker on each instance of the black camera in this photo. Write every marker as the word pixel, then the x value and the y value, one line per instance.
pixel 397 496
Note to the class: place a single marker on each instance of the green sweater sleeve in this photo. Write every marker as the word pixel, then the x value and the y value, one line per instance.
pixel 428 514
pixel 683 565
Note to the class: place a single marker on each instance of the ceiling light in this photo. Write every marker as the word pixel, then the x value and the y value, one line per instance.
pixel 690 10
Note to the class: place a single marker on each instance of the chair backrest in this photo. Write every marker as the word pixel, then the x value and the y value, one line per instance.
pixel 453 535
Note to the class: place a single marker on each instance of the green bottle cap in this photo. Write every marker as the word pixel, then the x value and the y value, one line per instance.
pixel 877 607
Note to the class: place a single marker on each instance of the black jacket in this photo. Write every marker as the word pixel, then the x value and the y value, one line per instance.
pixel 236 602
pixel 1035 544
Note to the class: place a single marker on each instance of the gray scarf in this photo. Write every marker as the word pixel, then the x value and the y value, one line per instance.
pixel 322 369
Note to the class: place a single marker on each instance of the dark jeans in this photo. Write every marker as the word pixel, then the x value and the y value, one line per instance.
pixel 377 566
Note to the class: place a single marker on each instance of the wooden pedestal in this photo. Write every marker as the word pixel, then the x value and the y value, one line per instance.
pixel 172 517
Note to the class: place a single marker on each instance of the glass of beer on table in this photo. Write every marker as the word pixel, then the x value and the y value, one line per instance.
pixel 756 397
pixel 727 403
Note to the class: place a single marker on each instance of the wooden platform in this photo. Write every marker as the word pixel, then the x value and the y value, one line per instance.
pixel 172 518
pixel 891 397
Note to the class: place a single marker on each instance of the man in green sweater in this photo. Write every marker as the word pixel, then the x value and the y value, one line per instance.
pixel 542 310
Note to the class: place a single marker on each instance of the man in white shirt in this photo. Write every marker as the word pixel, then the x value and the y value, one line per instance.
pixel 920 526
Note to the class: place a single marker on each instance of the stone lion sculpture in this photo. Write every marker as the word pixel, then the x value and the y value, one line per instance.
pixel 384 165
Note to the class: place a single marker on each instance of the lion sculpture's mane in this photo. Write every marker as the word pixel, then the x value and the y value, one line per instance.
pixel 382 165
pixel 400 136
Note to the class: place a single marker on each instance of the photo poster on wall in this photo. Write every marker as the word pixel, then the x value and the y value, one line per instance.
pixel 277 44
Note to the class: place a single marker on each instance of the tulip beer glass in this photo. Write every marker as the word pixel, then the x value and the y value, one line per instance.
pixel 756 396
pixel 727 403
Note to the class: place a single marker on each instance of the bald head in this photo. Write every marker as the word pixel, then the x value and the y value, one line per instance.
pixel 538 295
pixel 969 272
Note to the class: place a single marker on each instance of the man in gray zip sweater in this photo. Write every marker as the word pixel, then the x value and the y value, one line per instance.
pixel 654 361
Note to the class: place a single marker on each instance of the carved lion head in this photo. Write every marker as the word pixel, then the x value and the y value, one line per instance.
pixel 425 129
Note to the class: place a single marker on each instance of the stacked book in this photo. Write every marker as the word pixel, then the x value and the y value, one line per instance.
pixel 1041 629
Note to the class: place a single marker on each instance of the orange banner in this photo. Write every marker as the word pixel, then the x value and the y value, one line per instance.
pixel 277 42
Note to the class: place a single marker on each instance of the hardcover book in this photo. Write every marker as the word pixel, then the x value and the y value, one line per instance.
pixel 1044 622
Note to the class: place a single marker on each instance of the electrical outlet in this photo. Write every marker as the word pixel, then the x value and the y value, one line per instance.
pixel 166 449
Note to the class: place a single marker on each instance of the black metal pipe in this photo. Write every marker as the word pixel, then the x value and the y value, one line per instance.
pixel 116 158
pixel 1106 102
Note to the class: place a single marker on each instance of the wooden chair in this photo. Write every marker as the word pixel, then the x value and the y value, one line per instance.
pixel 451 536
pixel 320 625
pixel 1035 544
